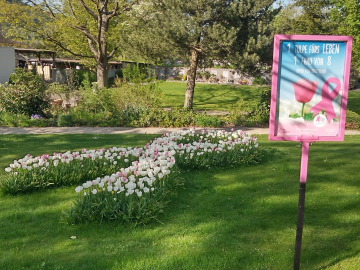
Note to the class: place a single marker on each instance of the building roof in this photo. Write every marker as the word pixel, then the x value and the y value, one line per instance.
pixel 21 50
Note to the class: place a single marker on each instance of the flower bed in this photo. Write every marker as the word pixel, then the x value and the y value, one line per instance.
pixel 130 184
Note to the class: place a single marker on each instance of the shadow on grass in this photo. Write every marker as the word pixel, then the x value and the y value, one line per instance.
pixel 242 218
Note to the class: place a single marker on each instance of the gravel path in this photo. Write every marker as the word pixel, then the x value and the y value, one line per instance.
pixel 122 130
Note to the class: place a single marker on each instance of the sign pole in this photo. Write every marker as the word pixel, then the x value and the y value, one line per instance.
pixel 300 221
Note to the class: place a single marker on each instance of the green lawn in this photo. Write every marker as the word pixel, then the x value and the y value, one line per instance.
pixel 209 96
pixel 243 218
pixel 223 97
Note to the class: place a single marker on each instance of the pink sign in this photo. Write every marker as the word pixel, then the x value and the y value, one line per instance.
pixel 309 87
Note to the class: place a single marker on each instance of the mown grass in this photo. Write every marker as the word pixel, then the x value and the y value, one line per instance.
pixel 243 218
pixel 209 96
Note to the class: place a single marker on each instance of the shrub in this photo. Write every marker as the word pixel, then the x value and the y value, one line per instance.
pixel 65 120
pixel 157 117
pixel 179 117
pixel 203 120
pixel 259 81
pixel 261 113
pixel 97 100
pixel 14 120
pixel 20 120
pixel 244 112
pixel 85 75
pixel 117 101
pixel 137 74
pixel 68 89
pixel 206 74
pixel 354 78
pixel 25 94
pixel 239 115
pixel 352 120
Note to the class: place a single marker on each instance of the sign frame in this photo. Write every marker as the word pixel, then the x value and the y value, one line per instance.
pixel 338 135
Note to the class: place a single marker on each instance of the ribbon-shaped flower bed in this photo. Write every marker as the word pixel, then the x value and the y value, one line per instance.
pixel 130 184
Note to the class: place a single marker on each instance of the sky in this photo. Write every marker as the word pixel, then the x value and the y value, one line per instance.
pixel 283 2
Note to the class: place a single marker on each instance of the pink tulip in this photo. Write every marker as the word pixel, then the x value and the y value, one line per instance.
pixel 304 90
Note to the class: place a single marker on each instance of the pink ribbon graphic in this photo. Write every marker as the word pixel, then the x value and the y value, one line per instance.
pixel 327 98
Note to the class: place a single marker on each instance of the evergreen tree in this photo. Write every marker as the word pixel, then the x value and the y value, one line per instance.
pixel 238 32
pixel 306 17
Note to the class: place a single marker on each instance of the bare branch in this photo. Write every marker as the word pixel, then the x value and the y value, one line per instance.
pixel 48 7
pixel 72 10
pixel 58 43
pixel 113 51
pixel 116 11
pixel 88 10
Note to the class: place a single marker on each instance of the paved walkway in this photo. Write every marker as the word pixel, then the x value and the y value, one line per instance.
pixel 122 130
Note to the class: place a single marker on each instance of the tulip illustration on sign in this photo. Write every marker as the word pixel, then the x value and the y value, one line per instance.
pixel 304 91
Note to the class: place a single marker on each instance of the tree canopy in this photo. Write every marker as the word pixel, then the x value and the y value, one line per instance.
pixel 89 29
pixel 200 31
pixel 347 15
pixel 306 17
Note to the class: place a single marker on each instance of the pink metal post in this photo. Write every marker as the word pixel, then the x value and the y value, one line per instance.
pixel 304 162
pixel 301 206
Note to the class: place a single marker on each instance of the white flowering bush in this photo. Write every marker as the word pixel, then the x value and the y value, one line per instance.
pixel 130 184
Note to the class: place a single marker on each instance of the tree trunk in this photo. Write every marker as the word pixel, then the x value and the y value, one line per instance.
pixel 102 59
pixel 102 75
pixel 191 75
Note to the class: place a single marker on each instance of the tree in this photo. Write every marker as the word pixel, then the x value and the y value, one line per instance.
pixel 284 22
pixel 206 30
pixel 88 29
pixel 306 17
pixel 347 14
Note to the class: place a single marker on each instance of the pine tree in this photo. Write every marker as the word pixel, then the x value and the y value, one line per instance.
pixel 238 32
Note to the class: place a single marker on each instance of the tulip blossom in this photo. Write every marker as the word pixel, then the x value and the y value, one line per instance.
pixel 304 91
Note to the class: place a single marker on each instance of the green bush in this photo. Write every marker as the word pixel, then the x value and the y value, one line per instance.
pixel 65 120
pixel 352 120
pixel 85 75
pixel 246 113
pixel 157 117
pixel 239 115
pixel 26 94
pixel 261 113
pixel 136 73
pixel 260 81
pixel 121 100
pixel 9 119
pixel 20 120
pixel 354 78
pixel 203 120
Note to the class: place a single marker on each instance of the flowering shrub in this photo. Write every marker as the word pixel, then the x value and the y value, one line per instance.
pixel 35 116
pixel 130 184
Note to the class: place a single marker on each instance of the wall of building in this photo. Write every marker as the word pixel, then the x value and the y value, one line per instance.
pixel 223 75
pixel 7 63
